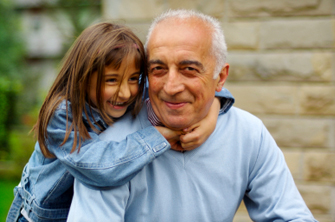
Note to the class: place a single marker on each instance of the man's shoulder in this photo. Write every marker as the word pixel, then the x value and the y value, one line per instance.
pixel 240 123
pixel 238 114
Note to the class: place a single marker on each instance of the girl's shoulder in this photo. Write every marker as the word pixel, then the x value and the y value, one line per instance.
pixel 60 114
pixel 64 105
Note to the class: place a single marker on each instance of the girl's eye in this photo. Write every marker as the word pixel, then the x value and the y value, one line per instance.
pixel 134 79
pixel 112 80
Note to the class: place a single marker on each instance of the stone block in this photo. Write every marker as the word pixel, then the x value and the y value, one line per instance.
pixel 300 132
pixel 319 100
pixel 293 160
pixel 242 35
pixel 286 34
pixel 242 217
pixel 243 8
pixel 133 10
pixel 140 29
pixel 317 197
pixel 319 166
pixel 281 66
pixel 265 99
pixel 323 217
pixel 242 214
pixel 214 7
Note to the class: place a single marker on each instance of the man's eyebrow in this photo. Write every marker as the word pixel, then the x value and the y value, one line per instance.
pixel 192 62
pixel 155 61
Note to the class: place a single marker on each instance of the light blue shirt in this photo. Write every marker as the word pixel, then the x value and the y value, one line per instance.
pixel 239 161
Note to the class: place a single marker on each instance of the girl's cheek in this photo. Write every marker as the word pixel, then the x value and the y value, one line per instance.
pixel 109 92
pixel 135 90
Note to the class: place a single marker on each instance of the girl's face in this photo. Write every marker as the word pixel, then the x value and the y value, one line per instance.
pixel 127 78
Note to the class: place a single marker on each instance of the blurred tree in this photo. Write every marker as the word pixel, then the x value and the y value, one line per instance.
pixel 79 13
pixel 11 61
pixel 20 92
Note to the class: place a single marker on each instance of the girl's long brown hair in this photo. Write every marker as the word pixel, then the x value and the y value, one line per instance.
pixel 98 46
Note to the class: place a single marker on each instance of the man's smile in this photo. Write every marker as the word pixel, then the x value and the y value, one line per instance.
pixel 175 105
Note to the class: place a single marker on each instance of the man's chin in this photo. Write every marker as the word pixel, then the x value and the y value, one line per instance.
pixel 176 125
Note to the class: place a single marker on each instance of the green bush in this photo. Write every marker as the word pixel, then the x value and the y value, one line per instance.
pixel 11 61
pixel 7 196
pixel 8 93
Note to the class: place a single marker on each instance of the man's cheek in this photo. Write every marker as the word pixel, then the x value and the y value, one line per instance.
pixel 154 82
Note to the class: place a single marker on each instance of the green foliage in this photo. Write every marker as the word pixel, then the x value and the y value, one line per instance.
pixel 22 144
pixel 10 44
pixel 11 58
pixel 20 92
pixel 79 13
pixel 7 196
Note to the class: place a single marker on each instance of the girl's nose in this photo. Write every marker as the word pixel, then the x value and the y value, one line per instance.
pixel 124 91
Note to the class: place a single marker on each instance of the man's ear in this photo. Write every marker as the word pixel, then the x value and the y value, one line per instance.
pixel 222 77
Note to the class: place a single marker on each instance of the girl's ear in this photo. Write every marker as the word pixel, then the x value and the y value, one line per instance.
pixel 222 77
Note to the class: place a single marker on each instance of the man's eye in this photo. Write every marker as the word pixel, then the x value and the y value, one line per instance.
pixel 156 70
pixel 190 69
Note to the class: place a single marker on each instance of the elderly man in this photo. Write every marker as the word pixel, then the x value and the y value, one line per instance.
pixel 239 161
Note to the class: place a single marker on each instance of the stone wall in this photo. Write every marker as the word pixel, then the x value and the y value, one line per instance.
pixel 281 55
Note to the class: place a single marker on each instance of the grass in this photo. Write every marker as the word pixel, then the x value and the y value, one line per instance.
pixel 7 196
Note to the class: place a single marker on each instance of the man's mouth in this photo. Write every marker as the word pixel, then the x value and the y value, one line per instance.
pixel 175 105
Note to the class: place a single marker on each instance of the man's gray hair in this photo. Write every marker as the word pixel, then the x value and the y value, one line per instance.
pixel 219 47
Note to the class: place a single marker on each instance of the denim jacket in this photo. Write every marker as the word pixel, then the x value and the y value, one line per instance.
pixel 46 188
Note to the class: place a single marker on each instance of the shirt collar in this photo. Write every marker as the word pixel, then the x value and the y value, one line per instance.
pixel 153 119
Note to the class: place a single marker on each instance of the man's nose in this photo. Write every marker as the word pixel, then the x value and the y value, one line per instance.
pixel 174 83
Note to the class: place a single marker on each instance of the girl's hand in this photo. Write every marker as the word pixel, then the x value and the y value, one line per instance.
pixel 172 136
pixel 198 133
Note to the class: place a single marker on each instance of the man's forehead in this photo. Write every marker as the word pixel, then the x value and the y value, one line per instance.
pixel 173 29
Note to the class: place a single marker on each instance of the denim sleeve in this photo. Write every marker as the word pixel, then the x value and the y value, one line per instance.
pixel 105 163
pixel 271 193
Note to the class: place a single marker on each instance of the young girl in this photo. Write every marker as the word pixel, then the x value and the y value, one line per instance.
pixel 102 78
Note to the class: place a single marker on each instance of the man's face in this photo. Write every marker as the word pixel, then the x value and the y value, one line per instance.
pixel 181 66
